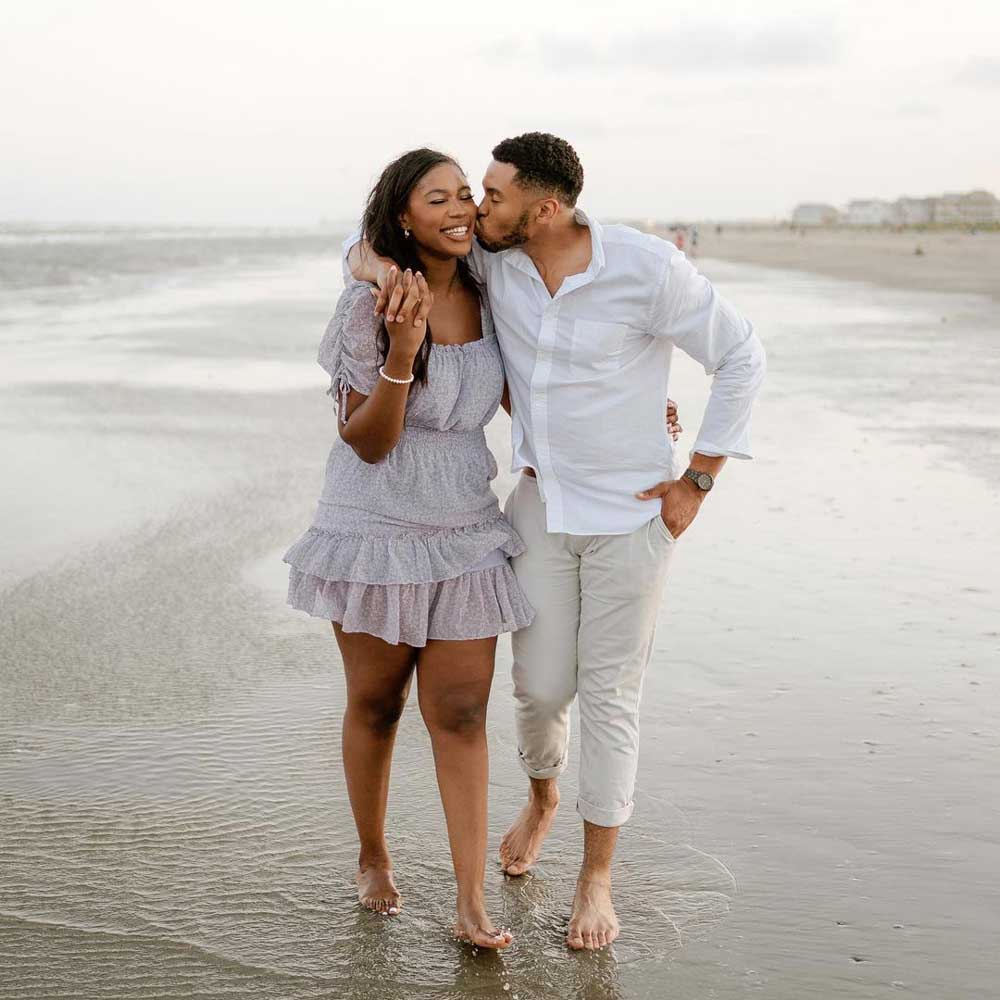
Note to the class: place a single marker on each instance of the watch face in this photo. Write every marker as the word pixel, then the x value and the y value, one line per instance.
pixel 704 480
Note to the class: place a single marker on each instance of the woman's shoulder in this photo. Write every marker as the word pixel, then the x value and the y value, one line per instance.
pixel 359 293
pixel 356 307
pixel 351 336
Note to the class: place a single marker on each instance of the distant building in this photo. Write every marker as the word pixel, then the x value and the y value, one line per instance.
pixel 948 208
pixel 966 209
pixel 869 213
pixel 815 214
pixel 969 208
pixel 914 211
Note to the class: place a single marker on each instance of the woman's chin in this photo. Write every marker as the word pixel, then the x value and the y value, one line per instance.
pixel 457 248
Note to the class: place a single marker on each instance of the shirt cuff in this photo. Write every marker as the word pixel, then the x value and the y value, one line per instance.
pixel 715 451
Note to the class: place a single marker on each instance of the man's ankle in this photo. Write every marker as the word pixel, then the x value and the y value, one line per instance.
pixel 544 793
pixel 595 876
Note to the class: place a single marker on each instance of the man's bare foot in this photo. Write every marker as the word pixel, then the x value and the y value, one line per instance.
pixel 522 843
pixel 376 889
pixel 473 925
pixel 593 923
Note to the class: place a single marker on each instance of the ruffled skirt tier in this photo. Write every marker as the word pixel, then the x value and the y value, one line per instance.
pixel 408 583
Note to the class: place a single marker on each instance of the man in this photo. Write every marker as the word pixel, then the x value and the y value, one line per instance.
pixel 587 317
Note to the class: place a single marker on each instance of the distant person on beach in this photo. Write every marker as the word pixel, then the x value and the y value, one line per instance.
pixel 587 318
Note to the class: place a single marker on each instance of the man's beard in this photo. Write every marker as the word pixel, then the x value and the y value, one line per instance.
pixel 517 235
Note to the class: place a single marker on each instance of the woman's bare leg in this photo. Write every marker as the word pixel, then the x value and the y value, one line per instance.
pixel 378 681
pixel 453 684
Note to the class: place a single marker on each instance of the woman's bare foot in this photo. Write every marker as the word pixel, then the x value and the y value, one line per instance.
pixel 376 889
pixel 473 925
pixel 522 843
pixel 593 922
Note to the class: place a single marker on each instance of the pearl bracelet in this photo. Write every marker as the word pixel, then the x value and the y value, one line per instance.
pixel 395 381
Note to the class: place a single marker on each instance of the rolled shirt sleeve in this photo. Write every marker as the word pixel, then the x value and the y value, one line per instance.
pixel 697 319
pixel 349 278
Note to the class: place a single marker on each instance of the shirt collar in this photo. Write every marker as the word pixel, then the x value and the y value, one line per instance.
pixel 519 259
pixel 597 259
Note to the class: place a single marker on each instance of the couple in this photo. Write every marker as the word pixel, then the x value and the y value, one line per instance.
pixel 570 327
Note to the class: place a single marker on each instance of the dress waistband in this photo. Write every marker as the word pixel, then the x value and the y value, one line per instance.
pixel 453 432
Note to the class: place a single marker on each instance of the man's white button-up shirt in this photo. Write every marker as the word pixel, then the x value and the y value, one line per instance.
pixel 588 368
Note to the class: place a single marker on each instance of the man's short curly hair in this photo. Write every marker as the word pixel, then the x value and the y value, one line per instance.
pixel 543 161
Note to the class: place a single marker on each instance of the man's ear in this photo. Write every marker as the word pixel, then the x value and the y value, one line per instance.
pixel 548 209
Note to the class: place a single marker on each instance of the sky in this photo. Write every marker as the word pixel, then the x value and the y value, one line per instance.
pixel 252 113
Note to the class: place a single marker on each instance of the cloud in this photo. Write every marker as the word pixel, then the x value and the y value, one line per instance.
pixel 980 73
pixel 704 47
pixel 917 109
pixel 713 47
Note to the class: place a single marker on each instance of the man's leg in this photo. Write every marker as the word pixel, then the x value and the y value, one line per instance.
pixel 621 580
pixel 544 671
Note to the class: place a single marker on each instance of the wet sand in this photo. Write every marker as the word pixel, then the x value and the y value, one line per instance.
pixel 818 794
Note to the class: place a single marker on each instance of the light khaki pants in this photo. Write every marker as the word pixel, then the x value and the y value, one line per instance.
pixel 596 599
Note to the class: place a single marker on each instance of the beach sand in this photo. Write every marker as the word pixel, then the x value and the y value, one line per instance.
pixel 818 794
pixel 952 261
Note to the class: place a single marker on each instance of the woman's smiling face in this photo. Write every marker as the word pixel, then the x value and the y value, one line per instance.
pixel 441 212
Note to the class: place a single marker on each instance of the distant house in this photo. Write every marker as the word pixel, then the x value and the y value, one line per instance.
pixel 949 209
pixel 969 208
pixel 870 213
pixel 815 214
pixel 914 211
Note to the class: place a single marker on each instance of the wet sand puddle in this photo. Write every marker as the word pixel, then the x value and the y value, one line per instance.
pixel 216 854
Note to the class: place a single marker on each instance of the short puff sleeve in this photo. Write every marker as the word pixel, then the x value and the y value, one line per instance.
pixel 348 351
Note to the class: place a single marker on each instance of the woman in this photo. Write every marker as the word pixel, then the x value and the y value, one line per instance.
pixel 408 552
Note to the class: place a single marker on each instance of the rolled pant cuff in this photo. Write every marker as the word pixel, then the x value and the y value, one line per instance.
pixel 604 817
pixel 553 771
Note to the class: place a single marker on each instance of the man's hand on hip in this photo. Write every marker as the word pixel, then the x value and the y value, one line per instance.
pixel 680 501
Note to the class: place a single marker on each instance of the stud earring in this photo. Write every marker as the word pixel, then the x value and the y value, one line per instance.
pixel 406 232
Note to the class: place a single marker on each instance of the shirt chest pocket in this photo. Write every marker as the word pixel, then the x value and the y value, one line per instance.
pixel 596 347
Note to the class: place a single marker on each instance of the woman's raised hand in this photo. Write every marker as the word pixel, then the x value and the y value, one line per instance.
pixel 408 303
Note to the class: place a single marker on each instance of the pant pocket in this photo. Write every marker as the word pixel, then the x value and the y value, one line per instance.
pixel 664 531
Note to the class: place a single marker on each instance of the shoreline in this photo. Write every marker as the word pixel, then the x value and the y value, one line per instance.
pixel 951 261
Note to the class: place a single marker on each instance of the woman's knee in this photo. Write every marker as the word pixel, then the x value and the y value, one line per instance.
pixel 380 712
pixel 455 714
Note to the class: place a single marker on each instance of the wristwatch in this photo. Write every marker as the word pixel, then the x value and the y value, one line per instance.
pixel 703 480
